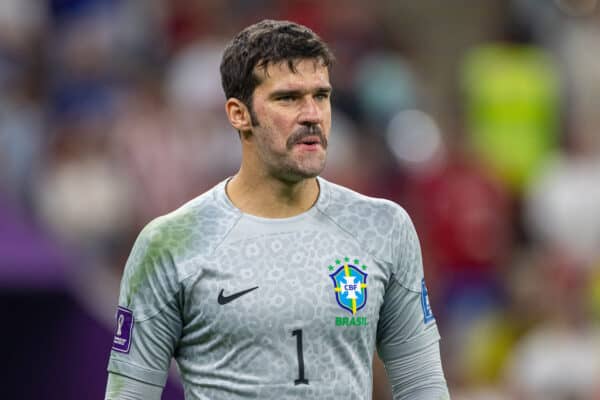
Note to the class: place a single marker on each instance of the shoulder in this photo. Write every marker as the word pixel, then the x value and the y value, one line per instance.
pixel 195 227
pixel 349 206
pixel 201 222
pixel 382 227
pixel 157 262
pixel 374 222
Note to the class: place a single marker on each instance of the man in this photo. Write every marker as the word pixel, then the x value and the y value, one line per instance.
pixel 277 284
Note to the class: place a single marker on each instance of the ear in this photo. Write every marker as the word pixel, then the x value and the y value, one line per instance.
pixel 238 115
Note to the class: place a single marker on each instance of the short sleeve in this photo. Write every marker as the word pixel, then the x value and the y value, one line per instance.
pixel 148 318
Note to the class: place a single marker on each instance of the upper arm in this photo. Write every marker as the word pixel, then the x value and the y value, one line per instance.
pixel 407 334
pixel 148 319
pixel 405 315
pixel 120 387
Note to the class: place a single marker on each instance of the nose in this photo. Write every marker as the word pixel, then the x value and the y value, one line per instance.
pixel 310 112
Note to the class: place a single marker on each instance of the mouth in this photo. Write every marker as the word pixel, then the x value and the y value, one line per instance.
pixel 310 141
pixel 307 138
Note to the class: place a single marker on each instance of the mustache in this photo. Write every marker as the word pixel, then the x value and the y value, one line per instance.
pixel 306 131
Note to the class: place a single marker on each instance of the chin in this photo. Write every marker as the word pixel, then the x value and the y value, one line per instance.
pixel 294 175
pixel 310 171
pixel 297 170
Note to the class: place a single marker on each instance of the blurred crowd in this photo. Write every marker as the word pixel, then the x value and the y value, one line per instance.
pixel 481 118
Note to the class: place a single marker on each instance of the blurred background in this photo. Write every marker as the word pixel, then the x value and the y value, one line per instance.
pixel 480 117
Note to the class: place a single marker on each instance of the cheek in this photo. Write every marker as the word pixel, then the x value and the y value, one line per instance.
pixel 279 125
pixel 282 122
pixel 270 133
pixel 327 124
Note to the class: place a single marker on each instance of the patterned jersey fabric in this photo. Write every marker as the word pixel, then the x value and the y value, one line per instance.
pixel 289 308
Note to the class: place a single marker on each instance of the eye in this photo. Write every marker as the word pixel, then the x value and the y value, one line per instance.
pixel 322 96
pixel 287 98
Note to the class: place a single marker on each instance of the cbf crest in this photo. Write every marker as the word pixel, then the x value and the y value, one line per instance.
pixel 349 284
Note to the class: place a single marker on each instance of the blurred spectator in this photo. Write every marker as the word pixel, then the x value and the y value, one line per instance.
pixel 562 208
pixel 384 85
pixel 82 196
pixel 579 49
pixel 479 393
pixel 21 141
pixel 189 21
pixel 512 105
pixel 558 358
pixel 21 115
pixel 21 24
pixel 464 214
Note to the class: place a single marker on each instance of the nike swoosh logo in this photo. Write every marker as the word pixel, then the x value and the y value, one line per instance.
pixel 222 300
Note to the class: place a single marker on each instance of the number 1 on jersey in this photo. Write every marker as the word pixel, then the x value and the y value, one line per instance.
pixel 301 379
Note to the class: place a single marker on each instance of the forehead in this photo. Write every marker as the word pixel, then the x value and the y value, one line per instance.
pixel 307 73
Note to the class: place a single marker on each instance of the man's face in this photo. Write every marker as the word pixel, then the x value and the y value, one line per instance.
pixel 293 115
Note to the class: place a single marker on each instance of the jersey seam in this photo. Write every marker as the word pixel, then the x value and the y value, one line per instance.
pixel 182 279
pixel 395 279
pixel 159 309
pixel 332 220
pixel 213 250
pixel 396 236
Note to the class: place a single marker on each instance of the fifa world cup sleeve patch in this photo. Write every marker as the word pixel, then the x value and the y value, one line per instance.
pixel 427 312
pixel 122 339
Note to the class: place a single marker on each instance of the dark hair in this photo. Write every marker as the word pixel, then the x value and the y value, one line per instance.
pixel 264 43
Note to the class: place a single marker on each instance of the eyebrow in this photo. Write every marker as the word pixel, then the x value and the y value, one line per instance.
pixel 298 92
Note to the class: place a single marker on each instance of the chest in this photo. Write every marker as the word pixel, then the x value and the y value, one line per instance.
pixel 286 281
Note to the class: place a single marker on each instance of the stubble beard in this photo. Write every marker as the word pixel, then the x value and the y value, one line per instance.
pixel 290 167
pixel 291 171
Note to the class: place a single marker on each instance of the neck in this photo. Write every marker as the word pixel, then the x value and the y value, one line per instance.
pixel 270 197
